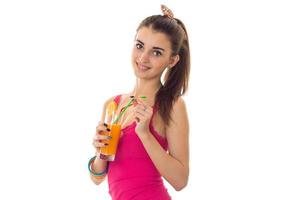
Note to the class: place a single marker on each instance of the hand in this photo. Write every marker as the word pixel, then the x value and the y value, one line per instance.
pixel 99 139
pixel 142 114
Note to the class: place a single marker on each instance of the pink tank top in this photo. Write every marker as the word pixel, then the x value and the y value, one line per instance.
pixel 132 175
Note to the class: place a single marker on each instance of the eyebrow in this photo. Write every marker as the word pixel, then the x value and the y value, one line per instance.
pixel 158 48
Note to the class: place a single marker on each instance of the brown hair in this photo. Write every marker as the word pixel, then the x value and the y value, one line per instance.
pixel 176 79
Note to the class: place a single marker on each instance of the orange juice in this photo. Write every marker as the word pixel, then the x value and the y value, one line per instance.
pixel 109 152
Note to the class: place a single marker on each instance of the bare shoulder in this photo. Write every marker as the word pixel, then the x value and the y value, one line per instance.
pixel 179 117
pixel 179 112
pixel 179 106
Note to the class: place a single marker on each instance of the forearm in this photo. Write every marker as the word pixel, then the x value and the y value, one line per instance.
pixel 97 167
pixel 175 172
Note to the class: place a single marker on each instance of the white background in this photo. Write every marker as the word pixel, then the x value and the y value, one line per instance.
pixel 57 60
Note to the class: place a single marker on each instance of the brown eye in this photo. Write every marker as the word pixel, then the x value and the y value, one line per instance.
pixel 157 53
pixel 138 46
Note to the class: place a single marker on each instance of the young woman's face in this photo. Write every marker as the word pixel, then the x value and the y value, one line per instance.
pixel 151 53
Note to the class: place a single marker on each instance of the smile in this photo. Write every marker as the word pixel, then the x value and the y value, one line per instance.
pixel 142 67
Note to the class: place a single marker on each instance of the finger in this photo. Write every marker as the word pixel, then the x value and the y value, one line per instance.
pixel 140 108
pixel 140 117
pixel 145 107
pixel 138 102
pixel 139 113
pixel 127 119
pixel 102 123
pixel 99 144
pixel 102 137
pixel 102 128
pixel 146 112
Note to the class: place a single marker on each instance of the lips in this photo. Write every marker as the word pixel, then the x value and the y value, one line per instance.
pixel 142 67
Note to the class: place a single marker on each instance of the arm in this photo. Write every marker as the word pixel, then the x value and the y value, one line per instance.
pixel 100 165
pixel 174 167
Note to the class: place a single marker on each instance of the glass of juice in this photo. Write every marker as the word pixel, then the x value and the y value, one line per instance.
pixel 108 152
pixel 111 119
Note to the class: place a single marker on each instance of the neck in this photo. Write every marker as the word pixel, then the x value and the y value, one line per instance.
pixel 146 88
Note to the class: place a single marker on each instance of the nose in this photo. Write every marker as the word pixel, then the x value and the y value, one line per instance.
pixel 143 57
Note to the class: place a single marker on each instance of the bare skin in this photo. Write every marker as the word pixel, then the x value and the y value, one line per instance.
pixel 151 55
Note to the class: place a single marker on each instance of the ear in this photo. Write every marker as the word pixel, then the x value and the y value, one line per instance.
pixel 173 61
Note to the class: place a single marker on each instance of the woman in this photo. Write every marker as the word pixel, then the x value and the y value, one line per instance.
pixel 154 141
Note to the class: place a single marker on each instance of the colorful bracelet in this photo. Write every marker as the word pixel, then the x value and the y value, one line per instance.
pixel 91 170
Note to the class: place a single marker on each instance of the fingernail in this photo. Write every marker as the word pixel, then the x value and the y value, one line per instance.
pixel 105 124
pixel 108 129
pixel 105 144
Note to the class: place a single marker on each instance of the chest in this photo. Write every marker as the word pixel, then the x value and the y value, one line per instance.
pixel 129 117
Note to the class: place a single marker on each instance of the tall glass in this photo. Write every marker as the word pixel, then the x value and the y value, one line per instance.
pixel 109 152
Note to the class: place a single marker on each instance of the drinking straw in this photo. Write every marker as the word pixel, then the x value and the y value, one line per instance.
pixel 123 111
pixel 125 108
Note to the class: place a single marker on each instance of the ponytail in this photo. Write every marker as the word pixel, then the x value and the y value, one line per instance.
pixel 176 80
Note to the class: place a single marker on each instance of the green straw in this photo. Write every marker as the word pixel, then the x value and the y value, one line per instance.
pixel 125 108
pixel 123 111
